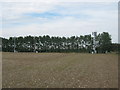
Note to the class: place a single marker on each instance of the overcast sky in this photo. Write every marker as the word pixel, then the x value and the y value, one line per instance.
pixel 59 18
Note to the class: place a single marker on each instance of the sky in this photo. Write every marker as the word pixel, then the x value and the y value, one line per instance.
pixel 59 18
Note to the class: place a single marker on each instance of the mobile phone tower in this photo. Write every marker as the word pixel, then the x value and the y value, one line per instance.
pixel 94 42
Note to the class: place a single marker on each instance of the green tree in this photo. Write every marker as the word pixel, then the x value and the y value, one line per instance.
pixel 105 42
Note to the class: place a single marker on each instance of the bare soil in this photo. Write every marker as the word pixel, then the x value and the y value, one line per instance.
pixel 59 70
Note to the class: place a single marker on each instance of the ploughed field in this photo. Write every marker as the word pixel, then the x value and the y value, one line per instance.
pixel 59 70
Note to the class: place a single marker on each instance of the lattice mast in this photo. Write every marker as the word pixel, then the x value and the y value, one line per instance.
pixel 94 42
pixel 35 46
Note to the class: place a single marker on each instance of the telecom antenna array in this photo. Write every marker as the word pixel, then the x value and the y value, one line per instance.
pixel 94 42
pixel 35 46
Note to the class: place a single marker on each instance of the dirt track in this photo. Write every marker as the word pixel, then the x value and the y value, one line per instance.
pixel 59 70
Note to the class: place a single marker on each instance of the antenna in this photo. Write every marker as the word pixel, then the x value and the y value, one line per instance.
pixel 94 41
pixel 35 47
pixel 39 44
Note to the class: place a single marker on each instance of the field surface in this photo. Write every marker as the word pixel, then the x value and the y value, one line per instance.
pixel 59 70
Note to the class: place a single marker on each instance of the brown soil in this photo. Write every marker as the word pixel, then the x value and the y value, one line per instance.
pixel 59 70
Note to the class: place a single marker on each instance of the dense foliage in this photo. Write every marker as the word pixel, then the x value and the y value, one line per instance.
pixel 57 44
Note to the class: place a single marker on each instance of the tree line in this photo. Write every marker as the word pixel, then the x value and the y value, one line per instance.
pixel 58 44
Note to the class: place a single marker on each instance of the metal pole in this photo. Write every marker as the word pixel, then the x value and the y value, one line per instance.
pixel 94 41
pixel 35 47
pixel 39 44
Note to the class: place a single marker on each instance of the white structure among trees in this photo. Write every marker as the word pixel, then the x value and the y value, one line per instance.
pixel 94 42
